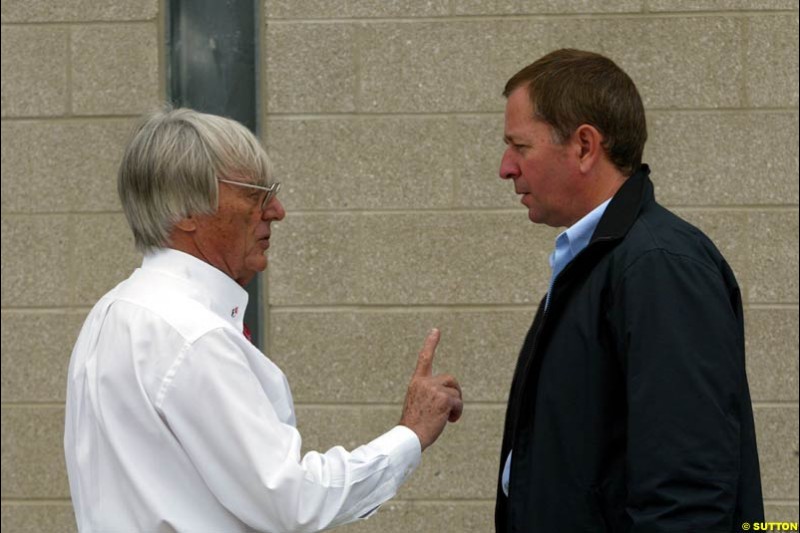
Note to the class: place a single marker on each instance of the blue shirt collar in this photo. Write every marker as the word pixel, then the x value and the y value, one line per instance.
pixel 571 241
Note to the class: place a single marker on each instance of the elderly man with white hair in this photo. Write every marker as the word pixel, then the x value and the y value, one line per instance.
pixel 174 420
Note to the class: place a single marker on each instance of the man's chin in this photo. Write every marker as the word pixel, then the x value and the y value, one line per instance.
pixel 251 270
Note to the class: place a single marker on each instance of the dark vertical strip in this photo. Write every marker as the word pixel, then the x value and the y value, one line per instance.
pixel 211 67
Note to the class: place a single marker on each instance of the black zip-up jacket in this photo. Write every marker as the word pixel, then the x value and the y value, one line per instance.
pixel 630 410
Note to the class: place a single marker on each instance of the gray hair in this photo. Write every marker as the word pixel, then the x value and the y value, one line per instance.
pixel 171 165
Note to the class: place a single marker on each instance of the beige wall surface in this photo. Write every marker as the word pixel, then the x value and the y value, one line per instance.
pixel 385 123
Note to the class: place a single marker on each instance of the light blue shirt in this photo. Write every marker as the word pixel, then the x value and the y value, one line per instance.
pixel 569 243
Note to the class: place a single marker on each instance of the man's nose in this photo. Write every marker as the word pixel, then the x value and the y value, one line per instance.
pixel 508 167
pixel 274 210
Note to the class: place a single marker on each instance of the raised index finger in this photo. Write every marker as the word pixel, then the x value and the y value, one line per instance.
pixel 425 360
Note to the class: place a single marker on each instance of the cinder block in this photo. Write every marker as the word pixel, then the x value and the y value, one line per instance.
pixel 777 430
pixel 62 166
pixel 403 259
pixel 773 273
pixel 34 65
pixel 452 66
pixel 772 68
pixel 321 9
pixel 455 258
pixel 115 69
pixel 369 356
pixel 32 517
pixel 390 163
pixel 681 62
pixel 60 260
pixel 310 68
pixel 724 159
pixel 313 259
pixel 540 7
pixel 781 512
pixel 103 255
pixel 35 354
pixel 33 453
pixel 720 5
pixel 363 363
pixel 462 464
pixel 434 66
pixel 771 338
pixel 476 151
pixel 36 261
pixel 78 10
pixel 364 163
pixel 397 516
pixel 487 7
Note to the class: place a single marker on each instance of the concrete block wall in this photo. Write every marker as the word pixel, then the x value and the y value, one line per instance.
pixel 385 123
pixel 75 74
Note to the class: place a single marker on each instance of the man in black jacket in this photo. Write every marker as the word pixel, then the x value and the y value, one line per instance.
pixel 629 408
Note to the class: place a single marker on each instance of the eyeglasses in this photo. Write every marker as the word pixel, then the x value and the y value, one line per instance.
pixel 272 190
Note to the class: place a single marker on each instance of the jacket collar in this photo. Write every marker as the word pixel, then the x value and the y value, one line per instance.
pixel 625 206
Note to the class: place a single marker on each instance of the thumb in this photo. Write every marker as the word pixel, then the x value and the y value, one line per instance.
pixel 425 359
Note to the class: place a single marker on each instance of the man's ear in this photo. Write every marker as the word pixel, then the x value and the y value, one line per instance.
pixel 590 146
pixel 187 224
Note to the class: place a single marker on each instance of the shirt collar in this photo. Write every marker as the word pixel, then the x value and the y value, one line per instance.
pixel 571 241
pixel 202 282
pixel 580 233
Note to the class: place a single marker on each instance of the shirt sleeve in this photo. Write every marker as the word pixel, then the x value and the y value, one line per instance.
pixel 229 428
pixel 682 350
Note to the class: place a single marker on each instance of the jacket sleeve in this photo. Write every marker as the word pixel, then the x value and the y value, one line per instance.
pixel 679 337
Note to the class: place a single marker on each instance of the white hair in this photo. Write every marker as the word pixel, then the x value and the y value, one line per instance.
pixel 171 165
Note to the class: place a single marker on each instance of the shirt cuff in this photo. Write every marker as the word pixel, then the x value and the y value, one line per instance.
pixel 404 450
pixel 401 445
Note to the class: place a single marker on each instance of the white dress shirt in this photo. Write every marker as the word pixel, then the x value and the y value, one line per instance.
pixel 176 422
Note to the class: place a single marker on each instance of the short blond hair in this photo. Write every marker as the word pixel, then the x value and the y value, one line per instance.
pixel 170 168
